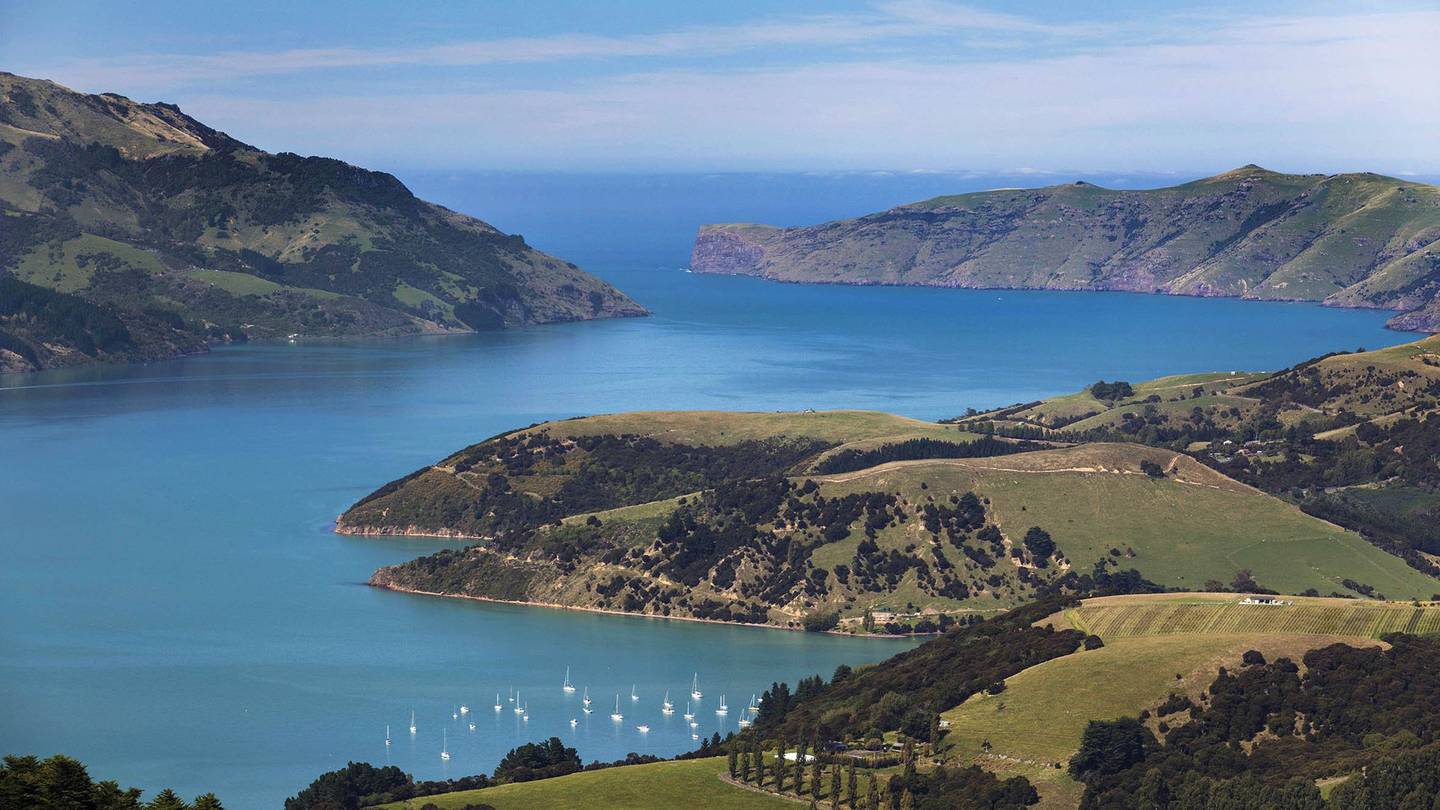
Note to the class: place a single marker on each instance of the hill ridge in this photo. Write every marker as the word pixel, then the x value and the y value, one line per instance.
pixel 1353 239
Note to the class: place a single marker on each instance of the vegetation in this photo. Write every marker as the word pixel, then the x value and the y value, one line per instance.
pixel 655 786
pixel 1269 729
pixel 1248 232
pixel 61 782
pixel 232 242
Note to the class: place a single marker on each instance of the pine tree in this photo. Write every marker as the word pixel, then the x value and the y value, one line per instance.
pixel 835 785
pixel 206 802
pixel 167 800
pixel 852 789
pixel 934 732
pixel 907 758
pixel 731 762
pixel 759 767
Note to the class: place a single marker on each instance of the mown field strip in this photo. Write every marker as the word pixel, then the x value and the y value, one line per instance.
pixel 1157 617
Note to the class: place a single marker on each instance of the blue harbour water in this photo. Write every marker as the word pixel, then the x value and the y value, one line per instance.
pixel 177 612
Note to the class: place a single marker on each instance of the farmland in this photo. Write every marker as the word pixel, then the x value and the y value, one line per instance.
pixel 1121 617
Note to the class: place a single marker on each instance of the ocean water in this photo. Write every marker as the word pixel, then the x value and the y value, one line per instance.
pixel 178 613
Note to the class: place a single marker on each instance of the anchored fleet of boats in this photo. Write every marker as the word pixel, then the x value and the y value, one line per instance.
pixel 522 711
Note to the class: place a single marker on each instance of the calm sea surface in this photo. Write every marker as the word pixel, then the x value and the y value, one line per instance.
pixel 177 612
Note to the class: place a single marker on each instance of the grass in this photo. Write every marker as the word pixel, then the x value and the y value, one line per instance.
pixel 1046 707
pixel 1189 527
pixel 725 427
pixel 653 510
pixel 657 786
pixel 63 271
pixel 1122 617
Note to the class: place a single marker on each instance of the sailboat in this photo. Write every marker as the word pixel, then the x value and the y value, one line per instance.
pixel 519 707
pixel 753 708
pixel 454 715
pixel 472 726
pixel 387 735
pixel 689 715
pixel 643 729
pixel 497 701
pixel 464 709
pixel 568 687
pixel 694 724
pixel 617 716
pixel 573 722
pixel 585 698
pixel 444 745
pixel 633 696
pixel 512 695
pixel 667 707
pixel 412 722
pixel 695 692
pixel 744 723
pixel 722 709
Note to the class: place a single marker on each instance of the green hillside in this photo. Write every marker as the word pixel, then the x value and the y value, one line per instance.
pixel 820 519
pixel 657 786
pixel 1347 240
pixel 162 221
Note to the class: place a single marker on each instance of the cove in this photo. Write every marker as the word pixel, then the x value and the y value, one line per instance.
pixel 178 613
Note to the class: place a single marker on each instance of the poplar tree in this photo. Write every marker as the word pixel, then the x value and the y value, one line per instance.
pixel 872 794
pixel 907 801
pixel 780 768
pixel 835 785
pixel 731 762
pixel 817 770
pixel 853 786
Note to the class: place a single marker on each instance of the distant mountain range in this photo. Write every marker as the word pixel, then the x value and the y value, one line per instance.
pixel 131 231
pixel 1351 240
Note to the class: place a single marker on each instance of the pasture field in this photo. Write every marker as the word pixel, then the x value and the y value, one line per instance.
pixel 657 786
pixel 1037 722
pixel 1192 526
pixel 1138 616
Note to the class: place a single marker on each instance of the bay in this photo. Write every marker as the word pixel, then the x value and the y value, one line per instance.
pixel 178 613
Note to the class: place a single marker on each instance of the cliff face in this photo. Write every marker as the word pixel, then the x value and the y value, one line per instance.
pixel 1358 240
pixel 187 235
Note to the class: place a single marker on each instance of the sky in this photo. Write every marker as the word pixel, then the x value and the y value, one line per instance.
pixel 656 85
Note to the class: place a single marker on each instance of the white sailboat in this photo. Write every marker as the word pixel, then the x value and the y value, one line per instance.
pixel 444 745
pixel 585 698
pixel 387 735
pixel 643 729
pixel 472 726
pixel 519 707
pixel 568 687
pixel 633 696
pixel 455 715
pixel 695 692
pixel 497 701
pixel 689 715
pixel 722 709
pixel 667 707
pixel 694 724
pixel 744 723
pixel 617 716
pixel 573 722
pixel 412 722
pixel 464 709
pixel 753 708
pixel 694 736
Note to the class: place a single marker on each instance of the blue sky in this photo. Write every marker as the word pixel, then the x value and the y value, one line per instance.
pixel 906 85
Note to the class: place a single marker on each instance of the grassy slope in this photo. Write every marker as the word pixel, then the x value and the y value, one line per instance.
pixel 1119 617
pixel 658 786
pixel 1185 529
pixel 1045 708
pixel 726 427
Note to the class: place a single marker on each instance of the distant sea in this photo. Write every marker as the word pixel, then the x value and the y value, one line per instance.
pixel 177 611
